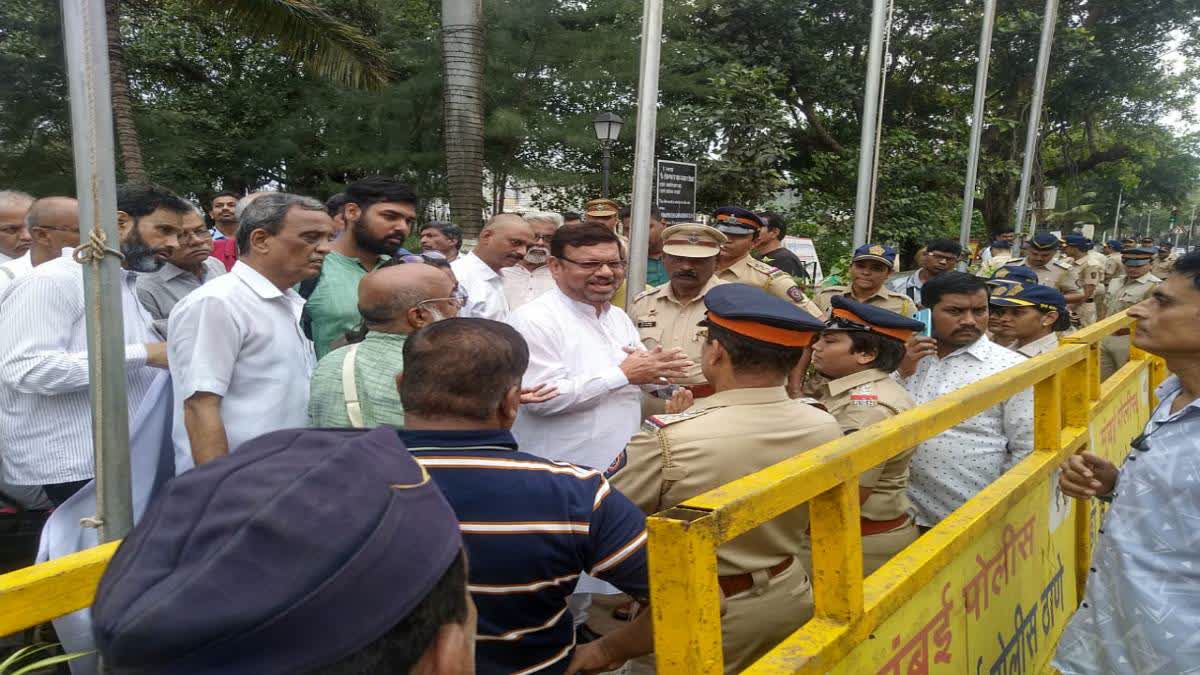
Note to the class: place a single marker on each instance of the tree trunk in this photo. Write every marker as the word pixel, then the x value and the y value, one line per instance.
pixel 127 136
pixel 462 106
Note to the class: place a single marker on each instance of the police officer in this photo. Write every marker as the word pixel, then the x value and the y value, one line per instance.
pixel 1112 263
pixel 1028 317
pixel 1164 262
pixel 869 269
pixel 1003 278
pixel 858 350
pixel 754 341
pixel 1125 292
pixel 1053 273
pixel 735 263
pixel 604 211
pixel 668 315
pixel 1087 268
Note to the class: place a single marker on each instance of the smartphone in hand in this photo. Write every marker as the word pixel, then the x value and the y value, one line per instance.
pixel 925 316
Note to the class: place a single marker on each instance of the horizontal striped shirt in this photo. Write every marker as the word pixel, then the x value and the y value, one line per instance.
pixel 531 526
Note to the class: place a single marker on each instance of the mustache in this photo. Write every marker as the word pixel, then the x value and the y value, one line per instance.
pixel 685 274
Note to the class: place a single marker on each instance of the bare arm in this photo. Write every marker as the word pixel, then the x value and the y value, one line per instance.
pixel 631 640
pixel 205 429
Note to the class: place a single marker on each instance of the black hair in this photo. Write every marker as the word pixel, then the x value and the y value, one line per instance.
pixel 587 233
pixel 950 283
pixel 775 222
pixel 335 204
pixel 570 215
pixel 943 245
pixel 450 230
pixel 748 354
pixel 1063 322
pixel 140 200
pixel 378 189
pixel 1005 230
pixel 1189 265
pixel 439 382
pixel 224 193
pixel 402 646
pixel 626 211
pixel 888 351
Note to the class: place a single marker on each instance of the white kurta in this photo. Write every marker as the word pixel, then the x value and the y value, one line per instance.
pixel 484 287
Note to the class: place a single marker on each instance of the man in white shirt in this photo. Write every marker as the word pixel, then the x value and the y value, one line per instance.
pixel 53 224
pixel 502 243
pixel 14 236
pixel 953 466
pixel 239 360
pixel 940 257
pixel 531 277
pixel 45 417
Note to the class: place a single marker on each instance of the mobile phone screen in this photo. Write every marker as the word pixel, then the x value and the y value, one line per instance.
pixel 926 317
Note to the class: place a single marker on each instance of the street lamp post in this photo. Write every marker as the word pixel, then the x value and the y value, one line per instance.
pixel 608 129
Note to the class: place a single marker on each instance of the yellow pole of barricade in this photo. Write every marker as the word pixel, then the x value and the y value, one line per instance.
pixel 1047 414
pixel 684 596
pixel 837 553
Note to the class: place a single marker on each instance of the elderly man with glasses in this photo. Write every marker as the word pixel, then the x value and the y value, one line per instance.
pixel 531 277
pixel 189 267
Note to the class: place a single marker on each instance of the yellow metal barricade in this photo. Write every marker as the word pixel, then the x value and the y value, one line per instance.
pixel 992 583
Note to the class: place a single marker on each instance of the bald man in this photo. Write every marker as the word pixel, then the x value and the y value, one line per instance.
pixel 14 236
pixel 394 302
pixel 503 242
pixel 52 224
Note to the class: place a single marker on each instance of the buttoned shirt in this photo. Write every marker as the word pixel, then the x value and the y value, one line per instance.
pixel 521 285
pixel 857 401
pixel 953 466
pixel 597 410
pixel 45 411
pixel 332 308
pixel 484 287
pixel 1162 267
pixel 908 283
pixel 239 337
pixel 378 359
pixel 776 282
pixel 664 321
pixel 1112 267
pixel 1140 609
pixel 884 298
pixel 1046 343
pixel 1125 292
pixel 161 290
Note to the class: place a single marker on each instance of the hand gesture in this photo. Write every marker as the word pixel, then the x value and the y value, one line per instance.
pixel 538 394
pixel 918 347
pixel 593 657
pixel 654 366
pixel 680 401
pixel 1086 475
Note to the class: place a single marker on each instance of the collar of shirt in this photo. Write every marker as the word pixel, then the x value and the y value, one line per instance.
pixel 977 349
pixel 344 260
pixel 396 339
pixel 1166 393
pixel 844 384
pixel 670 294
pixel 263 287
pixel 457 439
pixel 480 267
pixel 583 308
pixel 170 271
pixel 1038 346
pixel 744 396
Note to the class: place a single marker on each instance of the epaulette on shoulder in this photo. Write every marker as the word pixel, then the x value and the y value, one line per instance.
pixel 656 422
pixel 647 293
pixel 1063 264
pixel 760 266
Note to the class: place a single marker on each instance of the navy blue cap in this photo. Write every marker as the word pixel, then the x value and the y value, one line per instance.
pixel 880 252
pixel 1045 242
pixel 1113 244
pixel 754 313
pixel 1136 257
pixel 1001 243
pixel 1078 241
pixel 298 550
pixel 1013 274
pixel 1028 295
pixel 736 220
pixel 851 315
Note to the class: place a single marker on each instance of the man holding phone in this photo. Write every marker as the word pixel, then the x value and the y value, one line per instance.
pixel 953 466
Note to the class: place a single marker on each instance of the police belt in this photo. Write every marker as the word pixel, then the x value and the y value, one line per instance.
pixel 732 584
pixel 703 390
pixel 870 527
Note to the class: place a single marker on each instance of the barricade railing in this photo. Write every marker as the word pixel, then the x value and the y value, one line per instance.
pixel 1018 544
pixel 859 625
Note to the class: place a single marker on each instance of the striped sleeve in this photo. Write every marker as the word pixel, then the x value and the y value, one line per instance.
pixel 617 542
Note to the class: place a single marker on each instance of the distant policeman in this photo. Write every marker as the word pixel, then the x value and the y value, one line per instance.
pixel 1164 261
pixel 1112 262
pixel 858 350
pixel 1087 268
pixel 669 315
pixel 735 263
pixel 754 341
pixel 1028 317
pixel 869 269
pixel 1053 273
pixel 1125 292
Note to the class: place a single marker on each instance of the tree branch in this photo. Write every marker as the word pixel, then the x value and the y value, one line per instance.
pixel 1117 152
pixel 818 131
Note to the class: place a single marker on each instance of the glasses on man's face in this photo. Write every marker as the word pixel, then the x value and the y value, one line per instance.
pixel 458 299
pixel 593 266
pixel 195 235
pixel 11 230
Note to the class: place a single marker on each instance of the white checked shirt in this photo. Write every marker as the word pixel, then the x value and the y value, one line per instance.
pixel 953 466
pixel 45 409
pixel 484 287
pixel 522 286
pixel 238 336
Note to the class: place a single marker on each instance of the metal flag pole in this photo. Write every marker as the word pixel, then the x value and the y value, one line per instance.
pixel 643 157
pixel 870 120
pixel 1117 218
pixel 977 115
pixel 1035 111
pixel 86 41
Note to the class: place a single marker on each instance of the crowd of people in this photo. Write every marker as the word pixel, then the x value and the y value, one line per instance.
pixel 434 460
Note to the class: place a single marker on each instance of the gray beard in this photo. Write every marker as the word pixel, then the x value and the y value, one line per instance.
pixel 537 256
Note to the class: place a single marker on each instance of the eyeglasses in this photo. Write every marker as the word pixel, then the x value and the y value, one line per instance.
pixel 55 229
pixel 595 265
pixel 197 235
pixel 458 299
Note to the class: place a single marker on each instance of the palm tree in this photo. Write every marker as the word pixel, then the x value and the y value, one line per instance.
pixel 327 47
pixel 462 110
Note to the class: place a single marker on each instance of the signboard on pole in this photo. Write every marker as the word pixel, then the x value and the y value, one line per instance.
pixel 677 191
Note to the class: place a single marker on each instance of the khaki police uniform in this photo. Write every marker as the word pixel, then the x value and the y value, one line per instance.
pixel 776 282
pixel 1046 343
pixel 664 320
pixel 1162 267
pixel 1112 268
pixel 1056 275
pixel 722 438
pixel 1088 271
pixel 883 298
pixel 857 401
pixel 1123 293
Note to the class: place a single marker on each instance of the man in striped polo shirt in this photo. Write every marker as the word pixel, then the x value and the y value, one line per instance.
pixel 531 526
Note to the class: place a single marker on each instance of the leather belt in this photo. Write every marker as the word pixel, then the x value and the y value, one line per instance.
pixel 733 584
pixel 870 527
pixel 703 390
pixel 1090 300
pixel 1122 332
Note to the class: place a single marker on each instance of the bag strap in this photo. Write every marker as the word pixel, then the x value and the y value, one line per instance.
pixel 350 387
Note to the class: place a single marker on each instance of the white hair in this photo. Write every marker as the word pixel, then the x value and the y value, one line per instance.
pixel 555 219
pixel 11 198
pixel 244 202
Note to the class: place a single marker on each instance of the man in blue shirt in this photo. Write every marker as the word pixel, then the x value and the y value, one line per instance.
pixel 531 526
pixel 1141 608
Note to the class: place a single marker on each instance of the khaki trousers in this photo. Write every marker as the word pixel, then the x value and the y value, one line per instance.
pixel 1087 313
pixel 1114 354
pixel 880 548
